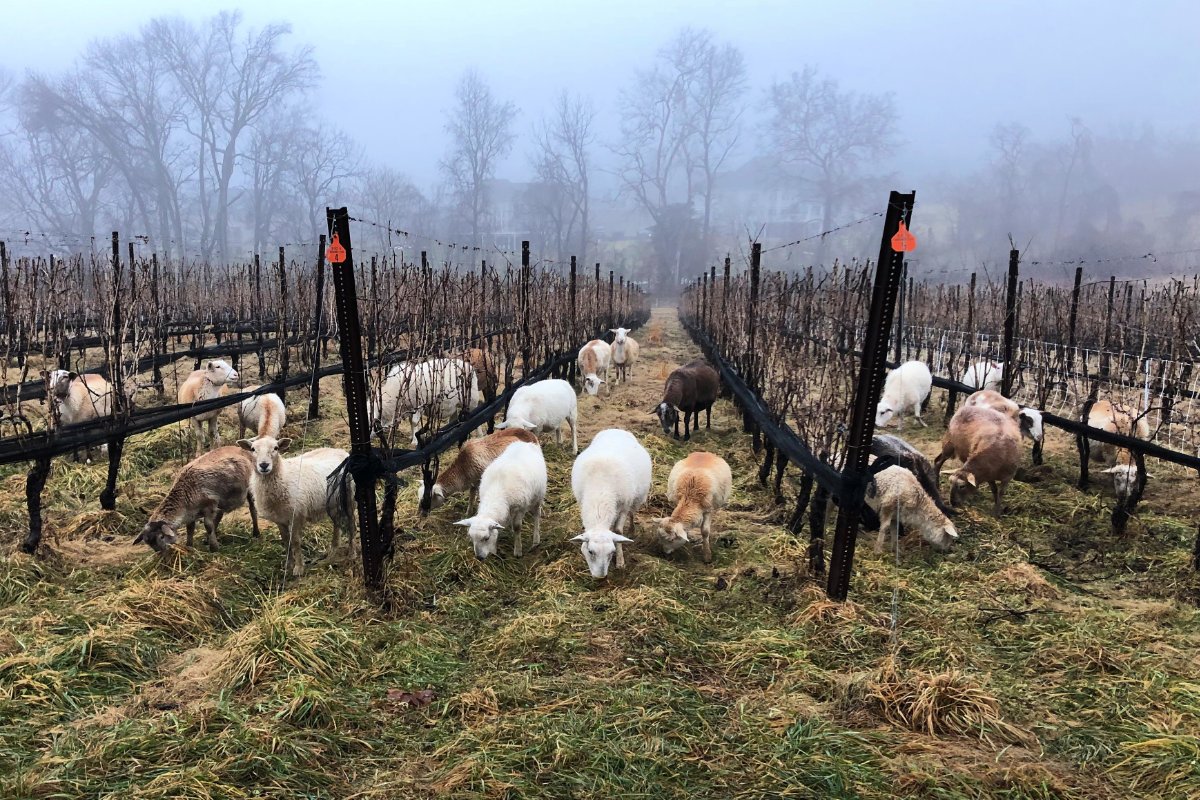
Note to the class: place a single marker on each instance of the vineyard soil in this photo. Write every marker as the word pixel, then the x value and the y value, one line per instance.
pixel 1041 658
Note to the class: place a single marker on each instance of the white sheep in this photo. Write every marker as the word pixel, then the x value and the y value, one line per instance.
pixel 512 486
pixel 544 406
pixel 986 374
pixel 438 387
pixel 265 414
pixel 906 387
pixel 206 384
pixel 611 481
pixel 594 359
pixel 625 351
pixel 896 491
pixel 293 492
pixel 78 398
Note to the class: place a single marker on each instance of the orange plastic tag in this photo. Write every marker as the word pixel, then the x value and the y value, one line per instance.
pixel 903 241
pixel 337 254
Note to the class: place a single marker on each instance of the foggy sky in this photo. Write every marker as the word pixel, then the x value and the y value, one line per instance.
pixel 957 68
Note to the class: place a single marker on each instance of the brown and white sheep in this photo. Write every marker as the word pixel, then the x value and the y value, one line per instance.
pixel 485 372
pixel 989 445
pixel 206 384
pixel 76 398
pixel 468 466
pixel 1114 418
pixel 698 485
pixel 594 359
pixel 206 488
pixel 691 389
pixel 896 491
pixel 265 414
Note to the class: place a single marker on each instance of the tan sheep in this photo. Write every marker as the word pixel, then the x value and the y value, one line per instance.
pixel 207 487
pixel 1107 416
pixel 895 491
pixel 206 384
pixel 989 445
pixel 698 485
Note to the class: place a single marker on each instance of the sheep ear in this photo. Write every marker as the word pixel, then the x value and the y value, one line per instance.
pixel 618 538
pixel 583 537
pixel 496 526
pixel 140 538
pixel 500 426
pixel 208 365
pixel 72 376
pixel 245 444
pixel 970 478
pixel 283 445
pixel 466 523
pixel 948 471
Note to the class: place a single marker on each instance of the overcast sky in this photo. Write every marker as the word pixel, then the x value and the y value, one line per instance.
pixel 956 67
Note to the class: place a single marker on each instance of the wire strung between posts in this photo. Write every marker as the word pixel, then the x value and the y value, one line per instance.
pixel 822 234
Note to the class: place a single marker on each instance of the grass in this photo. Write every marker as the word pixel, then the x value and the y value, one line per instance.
pixel 1041 659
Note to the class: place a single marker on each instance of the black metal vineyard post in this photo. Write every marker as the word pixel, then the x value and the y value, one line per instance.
pixel 354 381
pixel 281 324
pixel 314 390
pixel 866 394
pixel 1010 322
pixel 116 444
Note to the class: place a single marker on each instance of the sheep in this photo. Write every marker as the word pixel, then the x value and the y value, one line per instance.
pixel 594 358
pixel 265 414
pixel 914 461
pixel 906 387
pixel 485 372
pixel 77 398
pixel 625 350
pixel 691 389
pixel 468 466
pixel 206 488
pixel 895 491
pixel 1028 419
pixel 512 486
pixel 698 485
pixel 544 406
pixel 206 384
pixel 989 445
pixel 986 374
pixel 438 387
pixel 1113 418
pixel 292 492
pixel 611 481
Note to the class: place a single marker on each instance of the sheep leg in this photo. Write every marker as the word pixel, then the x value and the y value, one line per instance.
pixel 537 527
pixel 558 435
pixel 211 521
pixel 253 514
pixel 191 531
pixel 214 430
pixel 620 557
pixel 687 428
pixel 292 534
pixel 998 492
pixel 573 420
pixel 947 452
pixel 918 416
pixel 885 527
pixel 707 418
pixel 516 529
pixel 706 533
pixel 198 435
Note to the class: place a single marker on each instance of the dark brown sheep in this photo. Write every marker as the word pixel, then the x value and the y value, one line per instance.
pixel 691 389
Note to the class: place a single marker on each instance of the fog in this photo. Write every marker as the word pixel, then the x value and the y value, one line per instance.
pixel 1073 128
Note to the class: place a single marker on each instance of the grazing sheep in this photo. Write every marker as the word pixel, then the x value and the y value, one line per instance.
pixel 293 492
pixel 207 487
pixel 594 358
pixel 265 414
pixel 512 486
pixel 206 384
pixel 611 481
pixel 986 374
pixel 989 445
pixel 469 464
pixel 1116 419
pixel 544 406
pixel 698 485
pixel 77 398
pixel 485 372
pixel 914 461
pixel 906 387
pixel 1028 419
pixel 437 387
pixel 625 350
pixel 691 389
pixel 896 491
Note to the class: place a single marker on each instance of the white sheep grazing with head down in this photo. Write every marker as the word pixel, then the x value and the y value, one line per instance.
pixel 512 486
pixel 894 492
pixel 439 387
pixel 625 350
pixel 295 491
pixel 205 384
pixel 544 406
pixel 611 481
pixel 986 374
pixel 906 388
pixel 594 359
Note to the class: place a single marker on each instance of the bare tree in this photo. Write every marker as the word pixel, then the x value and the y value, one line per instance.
pixel 831 133
pixel 1011 144
pixel 267 161
pixel 388 196
pixel 324 162
pixel 231 82
pixel 560 162
pixel 480 128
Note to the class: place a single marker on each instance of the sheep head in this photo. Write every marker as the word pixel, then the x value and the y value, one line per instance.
pixel 484 534
pixel 1125 478
pixel 219 372
pixel 619 334
pixel 592 384
pixel 940 537
pixel 59 382
pixel 437 496
pixel 1030 420
pixel 599 548
pixel 883 413
pixel 962 485
pixel 668 416
pixel 158 534
pixel 671 535
pixel 266 452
